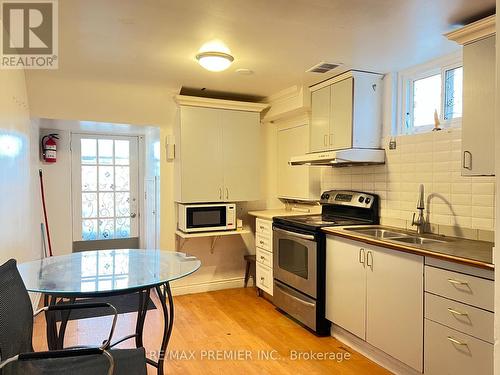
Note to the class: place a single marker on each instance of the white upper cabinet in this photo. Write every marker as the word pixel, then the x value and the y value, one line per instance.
pixel 320 119
pixel 201 173
pixel 346 112
pixel 217 153
pixel 241 144
pixel 297 182
pixel 478 122
pixel 478 119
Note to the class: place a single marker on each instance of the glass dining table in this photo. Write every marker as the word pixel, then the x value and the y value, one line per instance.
pixel 105 273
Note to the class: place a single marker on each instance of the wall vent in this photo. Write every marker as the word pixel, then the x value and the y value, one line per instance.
pixel 322 67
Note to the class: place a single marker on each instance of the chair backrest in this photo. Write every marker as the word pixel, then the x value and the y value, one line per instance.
pixel 16 313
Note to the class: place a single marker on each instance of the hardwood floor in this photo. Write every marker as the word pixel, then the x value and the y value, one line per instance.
pixel 228 323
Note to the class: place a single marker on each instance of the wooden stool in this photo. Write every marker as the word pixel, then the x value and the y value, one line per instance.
pixel 250 259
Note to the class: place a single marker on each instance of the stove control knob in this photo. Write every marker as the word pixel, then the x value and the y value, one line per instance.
pixel 327 196
pixel 361 199
pixel 367 200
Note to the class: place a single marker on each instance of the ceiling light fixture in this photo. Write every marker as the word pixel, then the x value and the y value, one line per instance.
pixel 214 61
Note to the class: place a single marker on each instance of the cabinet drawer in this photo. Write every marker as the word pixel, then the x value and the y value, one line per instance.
pixel 264 227
pixel 464 318
pixel 451 352
pixel 264 257
pixel 264 242
pixel 468 289
pixel 264 278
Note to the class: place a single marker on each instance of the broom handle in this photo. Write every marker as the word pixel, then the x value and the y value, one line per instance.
pixel 45 212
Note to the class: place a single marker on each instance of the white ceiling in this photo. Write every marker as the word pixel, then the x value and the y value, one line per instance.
pixel 154 42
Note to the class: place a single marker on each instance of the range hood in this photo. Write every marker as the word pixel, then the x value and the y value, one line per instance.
pixel 341 158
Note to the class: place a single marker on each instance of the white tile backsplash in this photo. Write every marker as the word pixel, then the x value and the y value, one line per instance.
pixel 433 159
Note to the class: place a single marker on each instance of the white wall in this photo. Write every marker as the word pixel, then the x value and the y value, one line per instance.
pixel 19 207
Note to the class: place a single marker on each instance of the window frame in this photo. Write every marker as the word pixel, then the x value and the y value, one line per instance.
pixel 406 81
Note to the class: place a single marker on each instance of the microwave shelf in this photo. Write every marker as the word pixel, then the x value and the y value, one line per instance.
pixel 211 233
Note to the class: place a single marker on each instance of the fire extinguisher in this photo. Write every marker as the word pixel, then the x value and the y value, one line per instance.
pixel 49 148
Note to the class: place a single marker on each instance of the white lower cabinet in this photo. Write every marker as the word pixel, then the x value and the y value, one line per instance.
pixel 264 255
pixel 377 294
pixel 459 323
pixel 448 351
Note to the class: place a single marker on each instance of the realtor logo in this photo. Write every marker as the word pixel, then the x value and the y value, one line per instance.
pixel 29 34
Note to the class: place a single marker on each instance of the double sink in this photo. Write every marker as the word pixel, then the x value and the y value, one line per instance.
pixel 394 235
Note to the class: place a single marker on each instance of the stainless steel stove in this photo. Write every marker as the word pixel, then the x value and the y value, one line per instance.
pixel 299 254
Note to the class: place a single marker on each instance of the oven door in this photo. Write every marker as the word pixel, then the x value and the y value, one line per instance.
pixel 203 218
pixel 295 257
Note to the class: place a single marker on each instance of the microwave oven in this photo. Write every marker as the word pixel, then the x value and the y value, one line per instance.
pixel 206 217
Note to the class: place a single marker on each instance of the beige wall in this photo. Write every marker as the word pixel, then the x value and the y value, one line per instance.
pixel 497 224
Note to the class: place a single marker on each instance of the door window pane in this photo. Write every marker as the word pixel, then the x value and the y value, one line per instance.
pixel 106 229
pixel 89 151
pixel 106 179
pixel 89 205
pixel 105 151
pixel 89 178
pixel 122 152
pixel 89 230
pixel 106 205
pixel 123 227
pixel 453 93
pixel 426 100
pixel 122 204
pixel 122 178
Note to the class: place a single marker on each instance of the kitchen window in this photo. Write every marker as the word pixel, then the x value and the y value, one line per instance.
pixel 428 91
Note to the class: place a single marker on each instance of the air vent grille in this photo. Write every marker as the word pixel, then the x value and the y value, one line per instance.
pixel 322 67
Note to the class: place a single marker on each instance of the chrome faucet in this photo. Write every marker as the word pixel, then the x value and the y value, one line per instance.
pixel 420 222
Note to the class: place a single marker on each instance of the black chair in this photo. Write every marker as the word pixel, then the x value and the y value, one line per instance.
pixel 16 333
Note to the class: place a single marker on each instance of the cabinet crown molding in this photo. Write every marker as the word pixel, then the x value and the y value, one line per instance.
pixel 195 101
pixel 473 32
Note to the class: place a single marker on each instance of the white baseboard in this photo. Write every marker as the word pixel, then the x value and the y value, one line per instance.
pixel 236 282
pixel 371 352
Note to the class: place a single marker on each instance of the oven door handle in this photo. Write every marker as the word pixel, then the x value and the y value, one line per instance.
pixel 283 290
pixel 309 237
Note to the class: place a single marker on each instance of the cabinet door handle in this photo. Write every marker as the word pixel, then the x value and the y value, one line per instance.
pixel 262 257
pixel 455 341
pixel 464 161
pixel 227 193
pixel 458 282
pixel 220 193
pixel 456 312
pixel 325 140
pixel 361 256
pixel 369 256
pixel 331 139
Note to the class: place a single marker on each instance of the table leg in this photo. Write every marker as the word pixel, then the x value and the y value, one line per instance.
pixel 141 316
pixel 51 327
pixel 165 296
pixel 64 323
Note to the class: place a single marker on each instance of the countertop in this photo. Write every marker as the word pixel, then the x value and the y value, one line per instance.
pixel 270 214
pixel 470 252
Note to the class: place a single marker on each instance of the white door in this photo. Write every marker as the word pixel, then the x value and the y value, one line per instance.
pixel 394 318
pixel 240 147
pixel 320 120
pixel 346 285
pixel 201 155
pixel 105 187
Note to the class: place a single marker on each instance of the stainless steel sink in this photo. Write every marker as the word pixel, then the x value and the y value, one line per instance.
pixel 393 235
pixel 416 240
pixel 378 233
